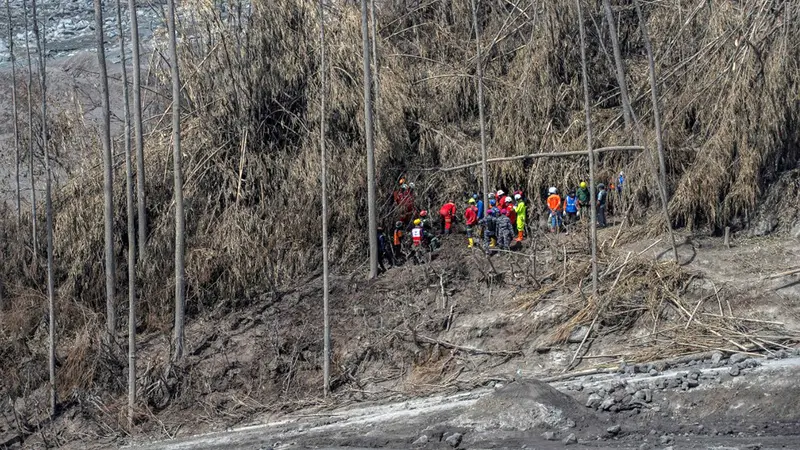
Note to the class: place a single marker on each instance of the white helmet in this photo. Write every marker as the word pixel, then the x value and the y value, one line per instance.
pixel 552 190
pixel 517 196
pixel 500 193
pixel 411 185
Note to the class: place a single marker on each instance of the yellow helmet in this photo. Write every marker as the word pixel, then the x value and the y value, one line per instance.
pixel 583 185
pixel 417 221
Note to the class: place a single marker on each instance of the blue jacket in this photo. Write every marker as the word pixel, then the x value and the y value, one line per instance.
pixel 479 204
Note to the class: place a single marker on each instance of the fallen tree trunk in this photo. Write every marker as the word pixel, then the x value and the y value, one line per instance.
pixel 541 155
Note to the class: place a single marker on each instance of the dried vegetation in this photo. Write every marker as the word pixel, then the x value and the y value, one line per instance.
pixel 729 74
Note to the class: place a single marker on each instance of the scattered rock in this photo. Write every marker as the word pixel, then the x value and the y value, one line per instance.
pixel 734 371
pixel 569 423
pixel 669 447
pixel 578 335
pixel 422 440
pixel 594 401
pixel 607 404
pixel 694 374
pixel 571 439
pixel 692 383
pixel 614 430
pixel 781 354
pixel 454 440
pixel 653 372
pixel 661 384
pixel 549 436
pixel 648 395
pixel 665 440
pixel 737 357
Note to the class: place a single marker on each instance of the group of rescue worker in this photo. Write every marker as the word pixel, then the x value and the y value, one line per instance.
pixel 500 225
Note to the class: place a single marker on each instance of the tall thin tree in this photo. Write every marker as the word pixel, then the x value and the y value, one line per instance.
pixel 14 115
pixel 31 156
pixel 589 148
pixel 368 129
pixel 479 75
pixel 623 85
pixel 376 79
pixel 180 282
pixel 137 128
pixel 131 225
pixel 108 180
pixel 48 196
pixel 326 340
pixel 657 119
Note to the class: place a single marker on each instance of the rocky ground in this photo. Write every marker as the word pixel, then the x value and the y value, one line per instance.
pixel 736 401
pixel 69 27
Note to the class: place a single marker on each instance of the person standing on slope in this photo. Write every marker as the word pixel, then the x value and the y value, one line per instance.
pixel 448 214
pixel 570 208
pixel 554 207
pixel 397 240
pixel 471 220
pixel 583 200
pixel 522 210
pixel 490 230
pixel 602 197
pixel 505 231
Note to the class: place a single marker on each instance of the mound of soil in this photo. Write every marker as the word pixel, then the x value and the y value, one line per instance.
pixel 528 405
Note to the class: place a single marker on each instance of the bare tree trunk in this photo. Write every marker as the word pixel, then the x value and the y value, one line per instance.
pixel 623 85
pixel 376 71
pixel 34 237
pixel 479 75
pixel 14 115
pixel 131 227
pixel 138 132
pixel 368 129
pixel 590 149
pixel 657 119
pixel 40 45
pixel 108 180
pixel 180 288
pixel 326 374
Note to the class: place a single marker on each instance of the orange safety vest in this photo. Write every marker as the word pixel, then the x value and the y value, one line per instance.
pixel 398 235
pixel 553 202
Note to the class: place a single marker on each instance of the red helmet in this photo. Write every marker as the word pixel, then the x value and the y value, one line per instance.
pixel 423 213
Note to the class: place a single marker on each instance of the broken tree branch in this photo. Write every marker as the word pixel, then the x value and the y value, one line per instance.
pixel 540 155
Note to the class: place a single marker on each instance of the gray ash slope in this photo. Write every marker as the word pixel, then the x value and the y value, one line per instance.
pixel 69 26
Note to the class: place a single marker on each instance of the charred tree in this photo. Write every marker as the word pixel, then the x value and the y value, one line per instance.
pixel 589 147
pixel 326 373
pixel 108 180
pixel 368 129
pixel 141 204
pixel 14 115
pixel 131 226
pixel 482 118
pixel 180 283
pixel 34 238
pixel 627 112
pixel 48 199
pixel 657 122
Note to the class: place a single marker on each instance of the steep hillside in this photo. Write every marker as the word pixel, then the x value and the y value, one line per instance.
pixel 728 75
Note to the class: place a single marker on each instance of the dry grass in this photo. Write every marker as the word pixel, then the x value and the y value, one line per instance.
pixel 728 75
